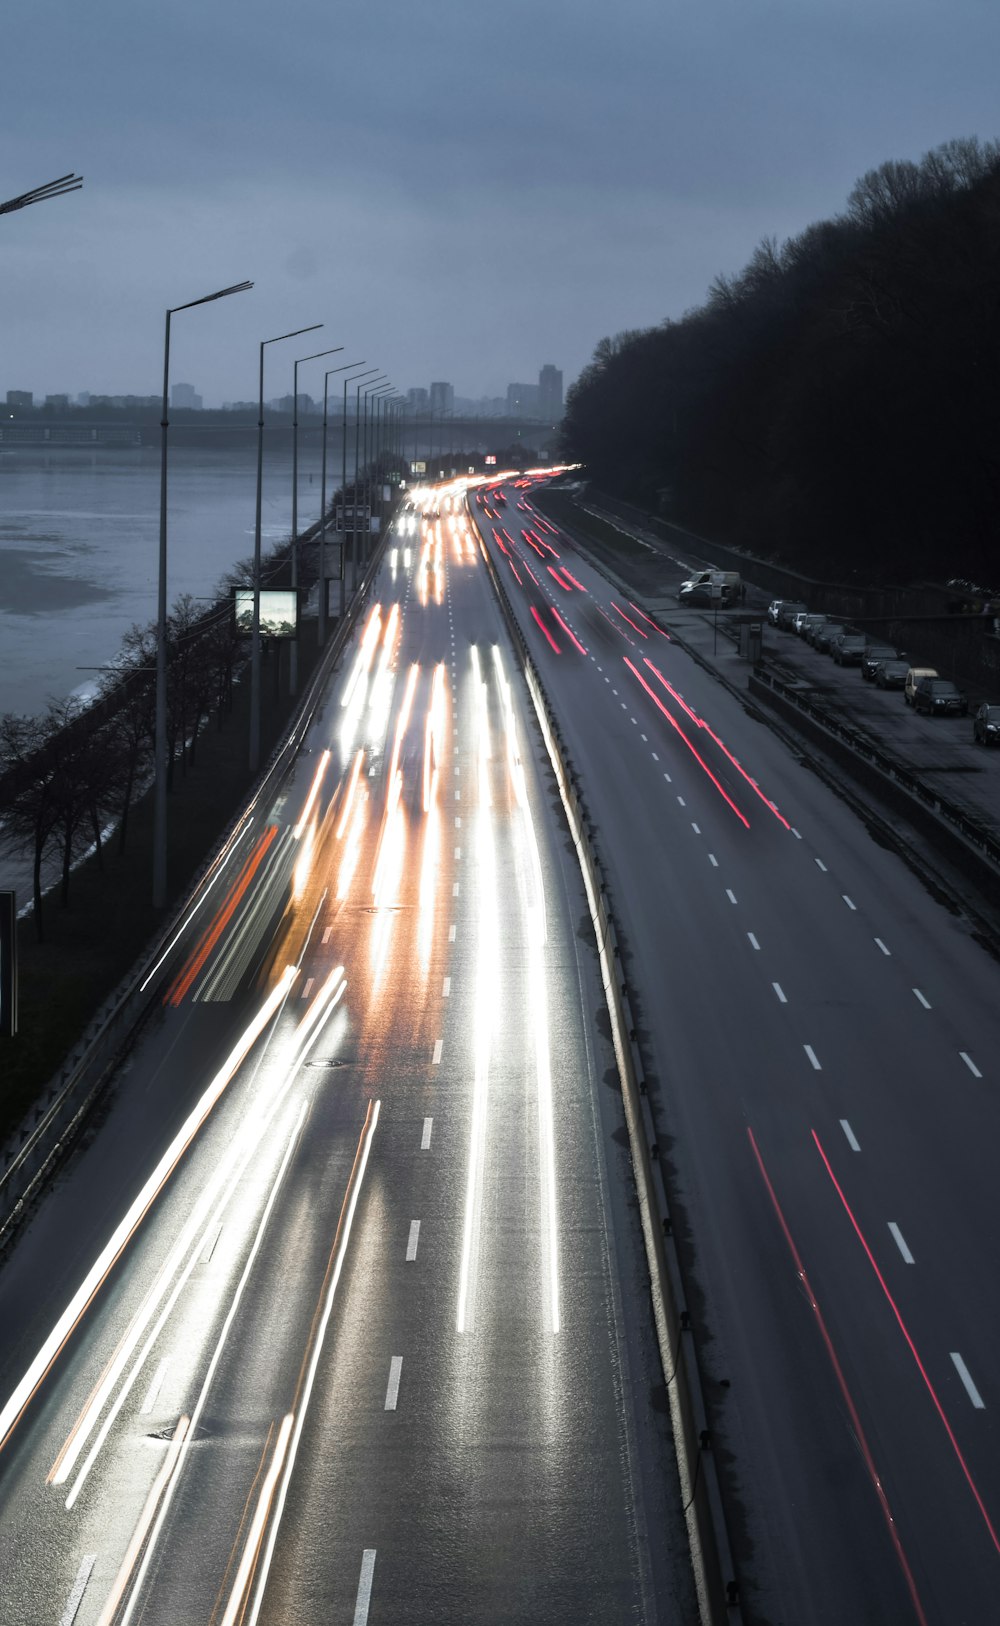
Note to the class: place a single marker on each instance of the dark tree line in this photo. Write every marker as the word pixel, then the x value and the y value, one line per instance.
pixel 836 404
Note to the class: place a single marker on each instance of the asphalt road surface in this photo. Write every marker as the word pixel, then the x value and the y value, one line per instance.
pixel 341 1313
pixel 822 1037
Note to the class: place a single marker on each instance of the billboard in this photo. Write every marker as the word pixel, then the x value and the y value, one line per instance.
pixel 8 965
pixel 418 468
pixel 278 611
pixel 490 459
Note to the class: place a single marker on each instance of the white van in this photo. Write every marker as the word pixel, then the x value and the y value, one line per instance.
pixel 711 586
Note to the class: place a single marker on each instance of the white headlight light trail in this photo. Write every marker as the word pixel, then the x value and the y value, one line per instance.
pixel 536 934
pixel 486 1004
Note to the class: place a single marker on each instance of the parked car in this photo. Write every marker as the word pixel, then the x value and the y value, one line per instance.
pixel 913 676
pixel 827 635
pixel 986 725
pixel 874 653
pixel 790 608
pixel 814 626
pixel 848 649
pixel 934 694
pixel 772 610
pixel 891 674
pixel 808 623
pixel 798 619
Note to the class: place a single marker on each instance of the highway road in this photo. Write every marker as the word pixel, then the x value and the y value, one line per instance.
pixel 821 1036
pixel 341 1313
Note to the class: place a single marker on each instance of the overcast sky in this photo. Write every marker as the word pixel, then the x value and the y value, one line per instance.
pixel 458 191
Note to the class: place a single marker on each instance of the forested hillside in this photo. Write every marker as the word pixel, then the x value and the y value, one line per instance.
pixel 836 404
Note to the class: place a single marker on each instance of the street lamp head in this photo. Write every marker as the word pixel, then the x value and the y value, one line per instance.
pixel 38 194
pixel 293 335
pixel 206 299
pixel 317 353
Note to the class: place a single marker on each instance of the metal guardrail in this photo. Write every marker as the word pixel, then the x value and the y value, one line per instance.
pixel 715 1575
pixel 46 1136
pixel 862 746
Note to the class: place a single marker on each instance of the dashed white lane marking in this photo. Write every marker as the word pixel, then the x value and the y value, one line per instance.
pixel 668 779
pixel 655 757
pixel 607 680
pixel 413 1239
pixel 713 860
pixel 795 833
pixel 157 1384
pixel 682 801
pixel 327 935
pixel 810 1052
pixel 970 1387
pixel 425 1139
pixel 970 1064
pixel 458 852
pixel 897 1237
pixel 695 828
pixel 452 932
pixel 307 990
pixel 364 1587
pixel 882 946
pixel 753 941
pixel 446 988
pixel 75 1598
pixel 730 894
pixel 211 1243
pixel 852 1139
pixel 821 865
pixel 458 822
pixel 924 1002
pixel 392 1390
pixel 438 1047
pixel 847 900
pixel 614 691
pixel 782 996
pixel 455 889
pixel 458 795
pixel 625 708
pixel 642 736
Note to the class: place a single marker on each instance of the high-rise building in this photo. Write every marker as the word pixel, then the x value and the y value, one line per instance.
pixel 550 393
pixel 20 398
pixel 185 395
pixel 418 400
pixel 522 400
pixel 83 399
pixel 57 403
pixel 442 398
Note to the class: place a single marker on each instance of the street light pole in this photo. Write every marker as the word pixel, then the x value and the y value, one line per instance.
pixel 361 390
pixel 160 747
pixel 293 669
pixel 255 635
pixel 343 485
pixel 346 368
pixel 374 490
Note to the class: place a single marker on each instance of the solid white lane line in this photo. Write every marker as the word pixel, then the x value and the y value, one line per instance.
pixel 970 1064
pixel 882 946
pixel 822 866
pixel 452 929
pixel 392 1391
pixel 852 1139
pixel 307 990
pixel 847 900
pixel 364 1587
pixel 970 1387
pixel 810 1052
pixel 897 1237
pixel 456 889
pixel 713 860
pixel 783 997
pixel 327 935
pixel 924 1002
pixel 695 828
pixel 446 988
pixel 75 1598
pixel 730 894
pixel 682 801
pixel 155 1386
pixel 438 1047
pixel 413 1239
pixel 425 1139
pixel 753 941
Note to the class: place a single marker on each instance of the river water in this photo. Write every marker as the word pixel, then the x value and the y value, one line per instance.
pixel 79 541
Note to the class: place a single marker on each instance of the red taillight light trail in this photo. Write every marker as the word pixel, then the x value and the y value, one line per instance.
pixel 567 631
pixel 700 723
pixel 553 572
pixel 514 569
pixel 858 1430
pixel 652 623
pixel 573 579
pixel 657 702
pixel 547 634
pixel 628 618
